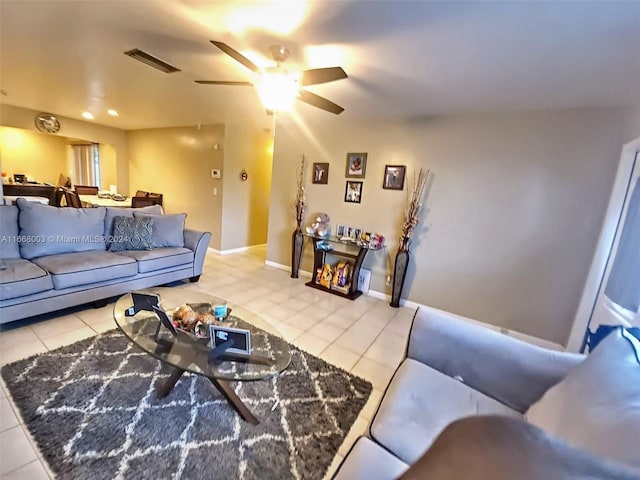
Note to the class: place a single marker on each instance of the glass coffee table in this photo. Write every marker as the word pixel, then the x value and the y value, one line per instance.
pixel 184 352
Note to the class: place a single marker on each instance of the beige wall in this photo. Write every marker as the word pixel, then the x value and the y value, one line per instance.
pixel 38 155
pixel 246 204
pixel 108 166
pixel 177 162
pixel 23 118
pixel 510 223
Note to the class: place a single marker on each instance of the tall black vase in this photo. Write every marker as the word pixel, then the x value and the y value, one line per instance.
pixel 297 240
pixel 399 274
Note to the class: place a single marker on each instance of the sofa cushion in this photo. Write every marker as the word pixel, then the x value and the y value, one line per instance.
pixel 113 212
pixel 419 403
pixel 131 233
pixel 9 246
pixel 369 461
pixel 82 268
pixel 168 230
pixel 52 230
pixel 597 405
pixel 159 258
pixel 21 277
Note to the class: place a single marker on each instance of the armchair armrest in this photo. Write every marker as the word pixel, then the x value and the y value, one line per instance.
pixel 198 242
pixel 509 370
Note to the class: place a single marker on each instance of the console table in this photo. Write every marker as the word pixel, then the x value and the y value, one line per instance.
pixel 351 250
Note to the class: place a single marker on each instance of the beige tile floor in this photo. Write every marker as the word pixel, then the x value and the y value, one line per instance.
pixel 365 337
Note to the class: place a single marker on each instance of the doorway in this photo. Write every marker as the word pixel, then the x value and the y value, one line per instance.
pixel 612 290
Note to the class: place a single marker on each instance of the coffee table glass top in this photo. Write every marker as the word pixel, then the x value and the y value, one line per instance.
pixel 270 353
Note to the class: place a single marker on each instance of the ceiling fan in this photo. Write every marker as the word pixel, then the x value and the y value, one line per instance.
pixel 277 87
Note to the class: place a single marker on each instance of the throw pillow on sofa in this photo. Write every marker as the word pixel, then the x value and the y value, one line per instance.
pixel 596 407
pixel 130 233
pixel 46 230
pixel 9 232
pixel 168 230
pixel 113 212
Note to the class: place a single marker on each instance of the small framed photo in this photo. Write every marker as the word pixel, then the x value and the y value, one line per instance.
pixel 357 234
pixel 320 173
pixel 353 192
pixel 348 232
pixel 340 231
pixel 232 340
pixel 394 177
pixel 356 165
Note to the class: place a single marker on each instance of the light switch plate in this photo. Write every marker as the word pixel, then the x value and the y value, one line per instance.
pixel 216 173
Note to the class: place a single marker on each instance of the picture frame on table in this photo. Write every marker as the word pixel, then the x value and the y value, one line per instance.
pixel 353 192
pixel 394 177
pixel 239 339
pixel 348 232
pixel 340 231
pixel 320 173
pixel 356 165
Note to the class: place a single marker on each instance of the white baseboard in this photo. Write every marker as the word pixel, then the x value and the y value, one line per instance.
pixel 279 266
pixel 287 268
pixel 234 250
pixel 387 298
pixel 411 304
pixel 512 333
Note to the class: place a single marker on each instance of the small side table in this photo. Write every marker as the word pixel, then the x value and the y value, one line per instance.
pixel 350 250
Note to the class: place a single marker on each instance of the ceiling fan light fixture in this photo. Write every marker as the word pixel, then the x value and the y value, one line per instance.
pixel 277 90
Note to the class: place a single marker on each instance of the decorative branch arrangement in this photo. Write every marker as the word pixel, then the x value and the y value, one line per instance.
pixel 299 204
pixel 414 206
pixel 297 238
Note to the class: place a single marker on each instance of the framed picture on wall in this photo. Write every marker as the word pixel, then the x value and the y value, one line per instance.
pixel 394 177
pixel 353 192
pixel 320 173
pixel 356 165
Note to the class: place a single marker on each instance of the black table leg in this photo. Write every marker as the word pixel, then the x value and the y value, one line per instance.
pixel 227 392
pixel 163 389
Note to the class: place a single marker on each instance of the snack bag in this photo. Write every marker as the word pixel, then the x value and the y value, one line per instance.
pixel 341 275
pixel 327 275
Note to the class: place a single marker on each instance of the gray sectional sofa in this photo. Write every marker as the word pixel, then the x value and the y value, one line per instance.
pixel 455 369
pixel 54 258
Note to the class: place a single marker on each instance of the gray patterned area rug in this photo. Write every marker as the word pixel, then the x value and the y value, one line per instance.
pixel 92 409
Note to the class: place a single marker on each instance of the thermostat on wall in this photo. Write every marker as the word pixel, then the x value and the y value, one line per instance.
pixel 216 173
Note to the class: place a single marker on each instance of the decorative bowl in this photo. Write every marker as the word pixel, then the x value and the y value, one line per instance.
pixel 201 329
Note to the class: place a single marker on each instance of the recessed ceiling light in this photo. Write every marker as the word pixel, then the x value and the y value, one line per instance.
pixel 112 112
pixel 87 115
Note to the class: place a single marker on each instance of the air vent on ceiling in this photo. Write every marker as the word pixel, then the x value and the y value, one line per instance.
pixel 152 61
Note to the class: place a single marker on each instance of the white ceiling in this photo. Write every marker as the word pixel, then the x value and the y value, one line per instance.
pixel 404 59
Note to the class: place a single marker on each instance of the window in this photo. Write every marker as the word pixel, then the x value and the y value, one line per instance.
pixel 86 163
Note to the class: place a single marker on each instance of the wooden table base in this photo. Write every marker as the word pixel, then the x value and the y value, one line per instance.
pixel 164 388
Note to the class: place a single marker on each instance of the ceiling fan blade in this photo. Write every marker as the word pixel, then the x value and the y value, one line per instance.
pixel 321 75
pixel 223 82
pixel 320 102
pixel 236 55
